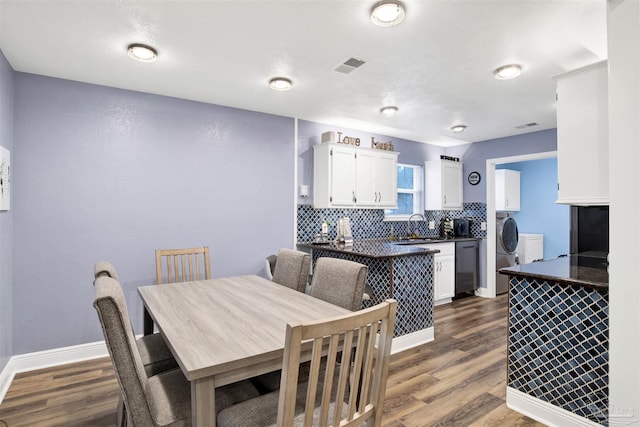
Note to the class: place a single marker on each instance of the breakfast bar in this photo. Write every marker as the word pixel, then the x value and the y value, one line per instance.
pixel 558 339
pixel 404 273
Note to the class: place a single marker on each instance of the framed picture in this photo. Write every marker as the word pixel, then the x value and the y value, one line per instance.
pixel 5 179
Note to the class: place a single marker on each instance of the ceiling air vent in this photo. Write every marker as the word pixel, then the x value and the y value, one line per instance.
pixel 527 125
pixel 349 65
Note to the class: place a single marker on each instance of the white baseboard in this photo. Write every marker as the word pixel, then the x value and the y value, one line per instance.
pixel 545 412
pixel 413 339
pixel 47 358
pixel 484 293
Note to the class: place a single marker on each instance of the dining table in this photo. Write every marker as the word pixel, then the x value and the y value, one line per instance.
pixel 227 329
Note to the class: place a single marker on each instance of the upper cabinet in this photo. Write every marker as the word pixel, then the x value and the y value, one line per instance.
pixel 443 185
pixel 348 176
pixel 583 140
pixel 507 190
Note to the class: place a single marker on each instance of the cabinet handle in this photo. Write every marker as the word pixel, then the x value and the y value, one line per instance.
pixel 354 196
pixel 445 199
pixel 507 202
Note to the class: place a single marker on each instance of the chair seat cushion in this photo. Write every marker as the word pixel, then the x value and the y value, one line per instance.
pixel 155 355
pixel 263 411
pixel 170 397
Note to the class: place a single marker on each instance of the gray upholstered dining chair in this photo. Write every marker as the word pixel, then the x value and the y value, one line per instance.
pixel 158 400
pixel 154 353
pixel 348 393
pixel 339 281
pixel 292 269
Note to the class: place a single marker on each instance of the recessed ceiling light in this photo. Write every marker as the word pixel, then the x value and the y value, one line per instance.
pixel 507 71
pixel 387 13
pixel 142 53
pixel 458 128
pixel 280 83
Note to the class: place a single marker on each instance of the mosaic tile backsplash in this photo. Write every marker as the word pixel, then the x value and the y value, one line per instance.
pixel 369 223
pixel 559 346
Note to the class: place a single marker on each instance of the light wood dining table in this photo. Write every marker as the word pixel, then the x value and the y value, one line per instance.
pixel 225 330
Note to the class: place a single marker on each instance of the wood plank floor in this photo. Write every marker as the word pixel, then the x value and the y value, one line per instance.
pixel 457 380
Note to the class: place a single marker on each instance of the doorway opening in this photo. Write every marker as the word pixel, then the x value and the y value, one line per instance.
pixel 490 290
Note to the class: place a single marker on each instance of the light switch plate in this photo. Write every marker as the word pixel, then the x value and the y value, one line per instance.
pixel 432 225
pixel 483 226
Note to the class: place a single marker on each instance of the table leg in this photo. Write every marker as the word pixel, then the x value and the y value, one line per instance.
pixel 147 326
pixel 203 402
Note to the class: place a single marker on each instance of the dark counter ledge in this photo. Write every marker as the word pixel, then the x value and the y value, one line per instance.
pixel 383 248
pixel 371 248
pixel 571 270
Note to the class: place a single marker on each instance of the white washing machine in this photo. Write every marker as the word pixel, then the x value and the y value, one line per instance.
pixel 506 244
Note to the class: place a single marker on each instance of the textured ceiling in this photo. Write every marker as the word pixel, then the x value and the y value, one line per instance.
pixel 436 66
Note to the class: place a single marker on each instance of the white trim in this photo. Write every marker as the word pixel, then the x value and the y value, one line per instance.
pixel 48 358
pixel 6 376
pixel 544 412
pixel 490 291
pixel 413 339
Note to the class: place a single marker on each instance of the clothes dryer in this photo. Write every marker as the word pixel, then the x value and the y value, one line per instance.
pixel 506 244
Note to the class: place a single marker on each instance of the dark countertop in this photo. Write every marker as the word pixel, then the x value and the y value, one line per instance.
pixel 571 270
pixel 382 248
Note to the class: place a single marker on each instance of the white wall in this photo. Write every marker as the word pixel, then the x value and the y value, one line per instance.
pixel 624 180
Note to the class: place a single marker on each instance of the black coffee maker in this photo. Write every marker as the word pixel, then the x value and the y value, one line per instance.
pixel 461 227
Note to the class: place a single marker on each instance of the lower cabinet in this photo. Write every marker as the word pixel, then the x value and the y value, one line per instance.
pixel 444 272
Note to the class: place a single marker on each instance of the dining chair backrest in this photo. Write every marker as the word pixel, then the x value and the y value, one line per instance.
pixel 110 304
pixel 292 269
pixel 105 267
pixel 348 393
pixel 339 281
pixel 182 265
pixel 364 338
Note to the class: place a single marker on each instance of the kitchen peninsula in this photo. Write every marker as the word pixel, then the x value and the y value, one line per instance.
pixel 403 272
pixel 558 342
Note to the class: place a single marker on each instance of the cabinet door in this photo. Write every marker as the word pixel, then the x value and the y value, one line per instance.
pixel 366 195
pixel 387 180
pixel 445 266
pixel 507 190
pixel 451 185
pixel 342 177
pixel 583 148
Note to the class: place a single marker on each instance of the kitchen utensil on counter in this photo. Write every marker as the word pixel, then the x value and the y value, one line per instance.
pixel 447 228
pixel 344 231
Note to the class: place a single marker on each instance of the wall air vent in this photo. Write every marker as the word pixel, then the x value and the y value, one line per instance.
pixel 349 65
pixel 527 125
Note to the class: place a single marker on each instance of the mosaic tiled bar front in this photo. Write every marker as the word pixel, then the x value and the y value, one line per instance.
pixel 408 279
pixel 559 345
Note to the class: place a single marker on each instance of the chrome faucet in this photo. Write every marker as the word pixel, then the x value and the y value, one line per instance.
pixel 411 233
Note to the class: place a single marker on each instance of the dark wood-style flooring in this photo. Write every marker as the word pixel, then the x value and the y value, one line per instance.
pixel 457 380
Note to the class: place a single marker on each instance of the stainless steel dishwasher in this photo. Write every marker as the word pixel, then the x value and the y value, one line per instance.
pixel 466 266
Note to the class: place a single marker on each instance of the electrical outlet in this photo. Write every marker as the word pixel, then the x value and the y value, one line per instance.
pixel 483 226
pixel 432 225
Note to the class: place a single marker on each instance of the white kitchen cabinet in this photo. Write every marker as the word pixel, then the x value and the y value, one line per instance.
pixel 444 272
pixel 530 247
pixel 349 176
pixel 443 185
pixel 507 190
pixel 583 142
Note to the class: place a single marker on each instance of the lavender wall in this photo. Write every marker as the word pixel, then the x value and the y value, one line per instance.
pixel 6 217
pixel 309 135
pixel 102 173
pixel 475 156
